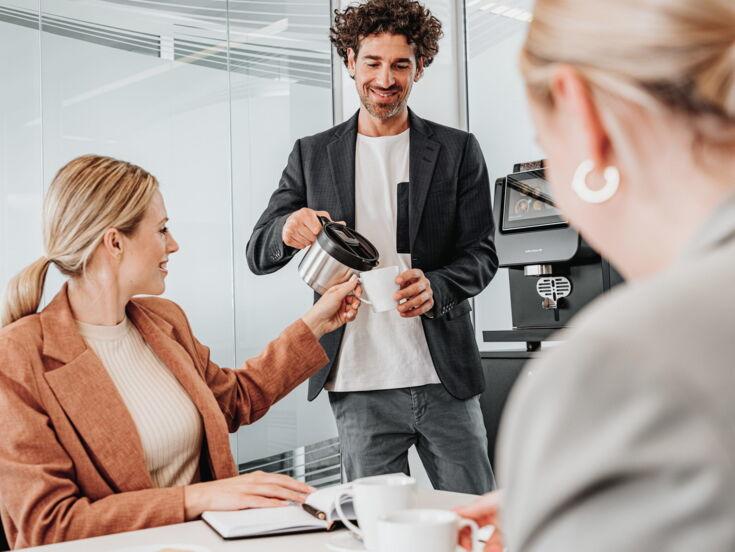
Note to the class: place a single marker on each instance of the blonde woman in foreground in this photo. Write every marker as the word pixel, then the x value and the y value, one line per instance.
pixel 114 418
pixel 622 438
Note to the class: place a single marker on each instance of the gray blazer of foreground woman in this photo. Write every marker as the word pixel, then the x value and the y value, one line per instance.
pixel 622 437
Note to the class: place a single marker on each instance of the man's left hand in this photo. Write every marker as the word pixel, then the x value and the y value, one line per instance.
pixel 416 290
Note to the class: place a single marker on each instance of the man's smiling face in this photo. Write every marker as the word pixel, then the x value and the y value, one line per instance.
pixel 384 70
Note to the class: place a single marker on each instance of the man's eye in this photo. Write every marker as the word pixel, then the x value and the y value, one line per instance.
pixel 402 67
pixel 372 64
pixel 164 230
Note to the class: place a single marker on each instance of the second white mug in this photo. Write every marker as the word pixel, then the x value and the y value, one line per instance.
pixel 373 497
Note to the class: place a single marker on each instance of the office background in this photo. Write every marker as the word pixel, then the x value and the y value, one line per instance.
pixel 210 95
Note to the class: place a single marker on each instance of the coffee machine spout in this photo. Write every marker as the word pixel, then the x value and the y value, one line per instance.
pixel 537 270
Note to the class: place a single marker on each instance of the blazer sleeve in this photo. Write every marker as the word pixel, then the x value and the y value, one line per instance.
pixel 40 499
pixel 265 250
pixel 246 394
pixel 603 449
pixel 474 261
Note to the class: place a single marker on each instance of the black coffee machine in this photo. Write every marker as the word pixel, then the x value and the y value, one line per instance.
pixel 553 273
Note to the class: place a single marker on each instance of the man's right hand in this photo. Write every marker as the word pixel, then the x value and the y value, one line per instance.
pixel 302 227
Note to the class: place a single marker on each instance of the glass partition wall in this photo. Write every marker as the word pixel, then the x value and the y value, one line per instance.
pixel 209 96
pixel 21 159
pixel 281 90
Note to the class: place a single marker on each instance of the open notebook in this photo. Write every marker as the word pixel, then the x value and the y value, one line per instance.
pixel 316 514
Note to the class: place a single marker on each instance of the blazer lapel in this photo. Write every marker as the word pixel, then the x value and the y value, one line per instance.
pixel 91 400
pixel 341 155
pixel 423 153
pixel 159 335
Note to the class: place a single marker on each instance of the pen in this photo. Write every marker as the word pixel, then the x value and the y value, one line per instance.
pixel 314 512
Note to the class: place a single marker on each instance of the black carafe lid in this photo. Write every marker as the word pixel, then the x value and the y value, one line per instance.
pixel 347 246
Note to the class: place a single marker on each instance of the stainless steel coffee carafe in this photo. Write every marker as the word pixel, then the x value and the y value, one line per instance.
pixel 337 253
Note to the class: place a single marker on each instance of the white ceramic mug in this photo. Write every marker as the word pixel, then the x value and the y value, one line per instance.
pixel 378 287
pixel 422 531
pixel 373 497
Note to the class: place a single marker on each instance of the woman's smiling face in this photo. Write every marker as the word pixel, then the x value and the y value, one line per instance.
pixel 143 267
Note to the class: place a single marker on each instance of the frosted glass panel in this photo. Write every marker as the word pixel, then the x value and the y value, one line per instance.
pixel 499 117
pixel 20 139
pixel 117 83
pixel 208 95
pixel 284 97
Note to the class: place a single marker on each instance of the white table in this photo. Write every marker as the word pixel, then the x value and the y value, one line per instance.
pixel 199 533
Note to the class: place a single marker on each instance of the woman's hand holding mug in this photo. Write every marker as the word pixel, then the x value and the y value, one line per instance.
pixel 335 308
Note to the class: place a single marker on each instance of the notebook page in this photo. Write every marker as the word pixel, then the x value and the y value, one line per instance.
pixel 259 521
pixel 323 500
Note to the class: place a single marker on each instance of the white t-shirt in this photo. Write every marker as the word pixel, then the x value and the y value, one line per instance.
pixel 381 350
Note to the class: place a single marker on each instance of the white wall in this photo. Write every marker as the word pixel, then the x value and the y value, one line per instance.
pixel 499 117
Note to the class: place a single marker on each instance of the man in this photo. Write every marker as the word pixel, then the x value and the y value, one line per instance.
pixel 413 375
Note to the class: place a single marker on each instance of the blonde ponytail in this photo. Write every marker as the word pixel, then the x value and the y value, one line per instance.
pixel 89 195
pixel 24 291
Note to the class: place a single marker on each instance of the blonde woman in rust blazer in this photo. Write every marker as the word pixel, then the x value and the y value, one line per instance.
pixel 114 418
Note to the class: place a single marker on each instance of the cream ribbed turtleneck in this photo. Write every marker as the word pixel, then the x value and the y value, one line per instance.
pixel 168 423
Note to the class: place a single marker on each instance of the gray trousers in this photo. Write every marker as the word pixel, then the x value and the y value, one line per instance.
pixel 376 429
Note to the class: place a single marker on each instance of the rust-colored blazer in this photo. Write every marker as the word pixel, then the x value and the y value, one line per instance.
pixel 71 461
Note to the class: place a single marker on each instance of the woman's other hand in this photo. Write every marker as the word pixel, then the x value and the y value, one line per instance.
pixel 484 511
pixel 335 308
pixel 251 490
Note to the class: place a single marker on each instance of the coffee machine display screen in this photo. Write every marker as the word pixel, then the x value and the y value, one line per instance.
pixel 527 202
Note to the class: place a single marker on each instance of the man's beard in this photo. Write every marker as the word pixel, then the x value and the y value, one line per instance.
pixel 382 111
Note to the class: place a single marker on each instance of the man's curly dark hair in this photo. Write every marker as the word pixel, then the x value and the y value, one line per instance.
pixel 405 17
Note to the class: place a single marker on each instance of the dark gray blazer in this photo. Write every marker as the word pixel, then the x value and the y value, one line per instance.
pixel 450 229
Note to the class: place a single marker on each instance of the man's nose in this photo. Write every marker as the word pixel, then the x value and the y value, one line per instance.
pixel 385 77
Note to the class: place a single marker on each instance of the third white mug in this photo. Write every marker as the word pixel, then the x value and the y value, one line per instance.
pixel 422 531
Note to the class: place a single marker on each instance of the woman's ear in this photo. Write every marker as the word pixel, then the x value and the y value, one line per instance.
pixel 575 104
pixel 112 243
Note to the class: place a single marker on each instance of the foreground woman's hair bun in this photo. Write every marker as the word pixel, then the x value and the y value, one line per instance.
pixel 677 53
